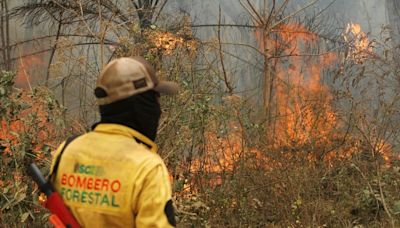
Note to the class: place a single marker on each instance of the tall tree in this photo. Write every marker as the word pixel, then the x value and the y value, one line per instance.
pixel 5 35
pixel 393 11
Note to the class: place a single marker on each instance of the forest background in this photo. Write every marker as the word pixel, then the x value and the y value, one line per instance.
pixel 287 115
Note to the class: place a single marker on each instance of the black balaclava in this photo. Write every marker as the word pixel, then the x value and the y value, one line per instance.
pixel 140 112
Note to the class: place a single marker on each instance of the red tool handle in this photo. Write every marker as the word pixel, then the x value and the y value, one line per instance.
pixel 56 221
pixel 56 206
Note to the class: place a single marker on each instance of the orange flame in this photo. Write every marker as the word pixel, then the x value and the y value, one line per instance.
pixel 303 103
pixel 385 150
pixel 13 129
pixel 305 119
pixel 360 46
pixel 223 154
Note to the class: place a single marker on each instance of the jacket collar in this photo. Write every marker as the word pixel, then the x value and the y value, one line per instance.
pixel 126 131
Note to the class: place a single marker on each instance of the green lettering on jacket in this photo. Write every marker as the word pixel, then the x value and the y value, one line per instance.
pixel 90 198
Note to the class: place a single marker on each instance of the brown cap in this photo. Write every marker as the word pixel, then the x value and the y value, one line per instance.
pixel 125 77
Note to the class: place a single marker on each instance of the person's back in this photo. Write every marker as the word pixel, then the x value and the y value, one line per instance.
pixel 112 176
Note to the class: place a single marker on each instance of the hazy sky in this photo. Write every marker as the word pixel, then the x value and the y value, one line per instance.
pixel 369 13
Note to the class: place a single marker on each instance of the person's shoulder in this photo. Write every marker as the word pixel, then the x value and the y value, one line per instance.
pixel 144 155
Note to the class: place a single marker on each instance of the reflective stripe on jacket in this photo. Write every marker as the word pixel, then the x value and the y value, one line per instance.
pixel 108 179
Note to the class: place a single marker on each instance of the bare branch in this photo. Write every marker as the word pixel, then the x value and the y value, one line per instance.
pixel 228 86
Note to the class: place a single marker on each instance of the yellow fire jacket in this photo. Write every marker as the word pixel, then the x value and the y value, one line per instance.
pixel 108 179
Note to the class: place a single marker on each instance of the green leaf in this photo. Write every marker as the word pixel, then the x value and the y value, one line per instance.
pixel 2 91
pixel 396 207
pixel 24 216
pixel 24 106
pixel 21 197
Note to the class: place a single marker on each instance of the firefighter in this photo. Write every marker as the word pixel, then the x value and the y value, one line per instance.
pixel 113 176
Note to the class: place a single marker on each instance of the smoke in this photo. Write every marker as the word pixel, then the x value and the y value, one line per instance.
pixel 242 63
pixel 245 75
pixel 21 30
pixel 393 11
pixel 370 14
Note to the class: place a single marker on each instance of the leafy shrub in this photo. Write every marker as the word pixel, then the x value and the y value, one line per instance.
pixel 30 130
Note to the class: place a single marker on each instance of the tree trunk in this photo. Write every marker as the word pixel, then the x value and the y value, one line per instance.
pixel 393 11
pixel 5 35
pixel 145 11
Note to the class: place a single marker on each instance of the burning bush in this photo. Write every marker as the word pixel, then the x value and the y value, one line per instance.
pixel 309 164
pixel 30 123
